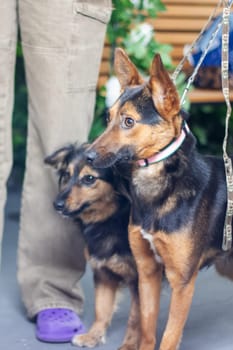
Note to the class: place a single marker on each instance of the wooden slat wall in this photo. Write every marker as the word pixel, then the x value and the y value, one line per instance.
pixel 181 23
pixel 178 26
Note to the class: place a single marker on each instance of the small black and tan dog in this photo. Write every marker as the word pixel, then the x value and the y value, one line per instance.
pixel 94 197
pixel 178 195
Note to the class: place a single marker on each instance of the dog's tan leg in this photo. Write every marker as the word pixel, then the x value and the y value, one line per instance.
pixel 150 276
pixel 132 335
pixel 179 308
pixel 176 251
pixel 105 295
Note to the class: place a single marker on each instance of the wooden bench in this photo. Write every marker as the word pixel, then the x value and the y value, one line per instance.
pixel 179 25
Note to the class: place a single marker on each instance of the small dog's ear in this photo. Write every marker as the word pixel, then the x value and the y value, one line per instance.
pixel 125 70
pixel 164 93
pixel 57 158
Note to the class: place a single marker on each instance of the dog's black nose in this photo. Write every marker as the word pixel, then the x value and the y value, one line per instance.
pixel 91 155
pixel 58 204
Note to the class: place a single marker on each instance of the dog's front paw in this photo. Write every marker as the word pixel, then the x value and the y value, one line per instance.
pixel 90 339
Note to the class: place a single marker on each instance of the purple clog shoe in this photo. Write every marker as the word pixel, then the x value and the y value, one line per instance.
pixel 58 325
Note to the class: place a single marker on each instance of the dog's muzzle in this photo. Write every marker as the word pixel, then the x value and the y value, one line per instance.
pixel 59 205
pixel 91 155
pixel 101 160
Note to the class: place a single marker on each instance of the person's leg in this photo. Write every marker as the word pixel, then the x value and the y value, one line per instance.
pixel 8 34
pixel 62 44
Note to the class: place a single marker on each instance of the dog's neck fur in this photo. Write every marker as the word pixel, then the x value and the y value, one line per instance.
pixel 153 181
pixel 96 214
pixel 109 237
pixel 168 151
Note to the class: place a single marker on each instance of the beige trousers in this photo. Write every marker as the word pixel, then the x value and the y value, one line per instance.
pixel 62 46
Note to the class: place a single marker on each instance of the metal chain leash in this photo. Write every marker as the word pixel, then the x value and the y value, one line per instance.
pixel 225 24
pixel 203 55
pixel 191 47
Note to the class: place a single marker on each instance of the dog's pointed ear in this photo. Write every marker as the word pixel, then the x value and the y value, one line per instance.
pixel 57 158
pixel 125 70
pixel 164 93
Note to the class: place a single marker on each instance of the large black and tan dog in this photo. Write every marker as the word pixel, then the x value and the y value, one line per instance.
pixel 178 196
pixel 94 198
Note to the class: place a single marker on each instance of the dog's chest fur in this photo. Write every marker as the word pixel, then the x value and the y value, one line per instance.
pixel 149 237
pixel 122 266
pixel 148 181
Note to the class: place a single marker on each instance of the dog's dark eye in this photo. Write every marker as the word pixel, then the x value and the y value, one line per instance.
pixel 128 122
pixel 88 180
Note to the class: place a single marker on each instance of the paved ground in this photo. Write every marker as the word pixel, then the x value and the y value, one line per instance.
pixel 210 323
